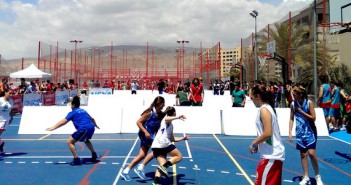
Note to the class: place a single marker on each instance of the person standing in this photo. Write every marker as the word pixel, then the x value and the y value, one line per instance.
pixel 162 145
pixel 268 143
pixel 6 113
pixel 196 93
pixel 85 125
pixel 306 132
pixel 324 97
pixel 334 111
pixel 134 87
pixel 238 96
pixel 182 98
pixel 148 124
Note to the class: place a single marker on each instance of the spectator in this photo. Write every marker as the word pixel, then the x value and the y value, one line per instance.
pixel 161 86
pixel 134 87
pixel 238 96
pixel 196 93
pixel 182 98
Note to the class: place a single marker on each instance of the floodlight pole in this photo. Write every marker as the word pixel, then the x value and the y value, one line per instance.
pixel 254 14
pixel 75 55
pixel 315 52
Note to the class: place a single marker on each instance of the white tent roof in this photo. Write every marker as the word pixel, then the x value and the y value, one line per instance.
pixel 30 72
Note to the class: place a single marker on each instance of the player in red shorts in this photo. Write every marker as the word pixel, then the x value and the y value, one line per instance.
pixel 268 142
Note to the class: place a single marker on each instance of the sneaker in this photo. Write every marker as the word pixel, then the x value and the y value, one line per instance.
pixel 163 170
pixel 2 147
pixel 93 157
pixel 319 180
pixel 305 180
pixel 155 184
pixel 76 161
pixel 343 127
pixel 126 176
pixel 140 173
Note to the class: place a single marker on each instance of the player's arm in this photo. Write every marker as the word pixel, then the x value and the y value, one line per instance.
pixel 58 125
pixel 173 139
pixel 171 118
pixel 291 121
pixel 93 120
pixel 142 120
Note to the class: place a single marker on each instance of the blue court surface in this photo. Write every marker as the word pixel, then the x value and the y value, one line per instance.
pixel 207 160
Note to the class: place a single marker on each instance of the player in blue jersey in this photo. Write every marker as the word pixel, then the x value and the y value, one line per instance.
pixel 303 111
pixel 85 125
pixel 148 123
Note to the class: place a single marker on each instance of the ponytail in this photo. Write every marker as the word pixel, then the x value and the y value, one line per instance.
pixel 158 100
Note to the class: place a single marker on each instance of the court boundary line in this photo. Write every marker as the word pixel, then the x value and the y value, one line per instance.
pixel 188 147
pixel 233 159
pixel 340 140
pixel 124 162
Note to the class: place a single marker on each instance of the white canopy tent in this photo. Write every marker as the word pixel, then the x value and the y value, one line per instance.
pixel 30 72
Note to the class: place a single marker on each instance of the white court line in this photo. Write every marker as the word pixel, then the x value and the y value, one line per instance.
pixel 68 157
pixel 188 148
pixel 339 140
pixel 125 161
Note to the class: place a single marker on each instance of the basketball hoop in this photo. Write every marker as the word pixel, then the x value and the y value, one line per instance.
pixel 228 67
pixel 262 58
pixel 330 32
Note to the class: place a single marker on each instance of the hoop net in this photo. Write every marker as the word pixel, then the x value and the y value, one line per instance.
pixel 262 58
pixel 330 32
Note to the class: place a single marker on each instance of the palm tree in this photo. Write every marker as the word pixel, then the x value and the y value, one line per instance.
pixel 301 50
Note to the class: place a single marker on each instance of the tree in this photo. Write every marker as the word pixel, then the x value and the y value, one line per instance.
pixel 301 50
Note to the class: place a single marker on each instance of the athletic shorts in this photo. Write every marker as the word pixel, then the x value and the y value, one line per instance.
pixel 163 151
pixel 3 125
pixel 306 147
pixel 269 172
pixel 333 112
pixel 144 141
pixel 83 135
pixel 326 112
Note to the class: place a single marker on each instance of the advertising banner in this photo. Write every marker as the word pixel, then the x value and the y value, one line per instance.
pixel 32 99
pixel 100 91
pixel 61 97
pixel 49 98
pixel 17 103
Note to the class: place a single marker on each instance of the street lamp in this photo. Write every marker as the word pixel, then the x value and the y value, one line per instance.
pixel 182 53
pixel 254 14
pixel 75 53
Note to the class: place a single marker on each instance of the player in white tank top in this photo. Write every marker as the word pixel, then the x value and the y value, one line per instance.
pixel 162 145
pixel 268 142
pixel 273 147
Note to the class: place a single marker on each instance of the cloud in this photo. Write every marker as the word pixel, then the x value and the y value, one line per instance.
pixel 158 22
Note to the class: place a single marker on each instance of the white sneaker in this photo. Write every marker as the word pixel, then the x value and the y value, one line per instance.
pixel 343 127
pixel 319 180
pixel 331 126
pixel 305 180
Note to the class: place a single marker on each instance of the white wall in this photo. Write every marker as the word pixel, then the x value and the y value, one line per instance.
pixel 118 113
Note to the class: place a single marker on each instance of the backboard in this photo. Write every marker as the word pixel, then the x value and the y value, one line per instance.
pixel 270 47
pixel 340 11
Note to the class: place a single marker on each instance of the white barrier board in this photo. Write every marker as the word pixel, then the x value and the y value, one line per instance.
pixel 35 119
pixel 241 121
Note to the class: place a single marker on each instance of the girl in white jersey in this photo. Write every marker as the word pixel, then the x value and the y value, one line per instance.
pixel 268 142
pixel 6 113
pixel 162 145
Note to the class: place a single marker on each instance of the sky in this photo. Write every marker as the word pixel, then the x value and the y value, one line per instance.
pixel 23 23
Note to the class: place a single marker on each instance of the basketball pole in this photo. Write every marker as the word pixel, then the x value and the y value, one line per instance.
pixel 315 52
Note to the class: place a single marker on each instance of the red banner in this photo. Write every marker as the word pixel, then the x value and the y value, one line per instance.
pixel 17 103
pixel 49 98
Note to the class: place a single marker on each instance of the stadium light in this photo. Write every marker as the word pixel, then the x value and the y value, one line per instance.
pixel 254 14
